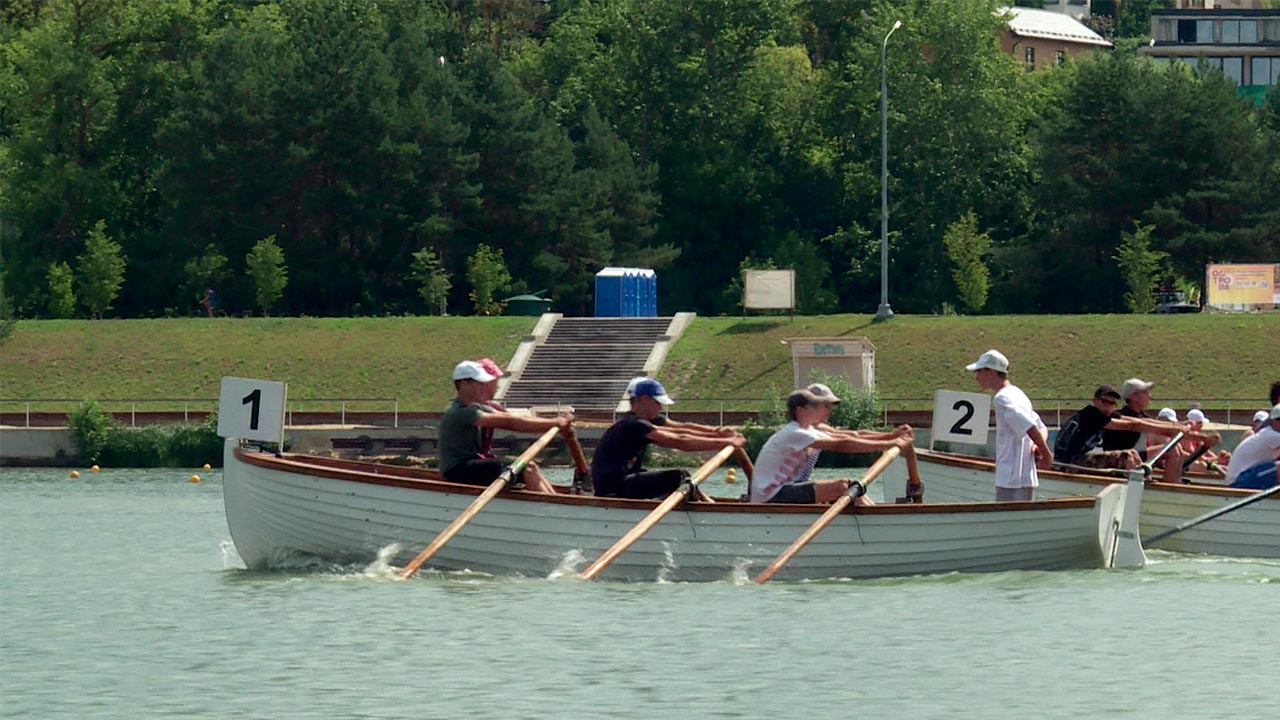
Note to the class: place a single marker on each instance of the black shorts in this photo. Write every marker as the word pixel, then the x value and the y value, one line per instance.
pixel 795 493
pixel 481 471
pixel 643 485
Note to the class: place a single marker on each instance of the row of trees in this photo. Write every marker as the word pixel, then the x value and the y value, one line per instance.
pixel 382 144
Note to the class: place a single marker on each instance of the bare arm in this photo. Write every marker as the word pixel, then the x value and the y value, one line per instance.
pixel 691 443
pixel 521 424
pixel 893 434
pixel 1159 427
pixel 689 428
pixel 861 445
pixel 1044 456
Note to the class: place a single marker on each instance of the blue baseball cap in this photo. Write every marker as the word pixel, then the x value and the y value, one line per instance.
pixel 648 386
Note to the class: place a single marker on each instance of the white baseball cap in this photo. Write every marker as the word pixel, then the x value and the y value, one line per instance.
pixel 1260 416
pixel 991 360
pixel 1170 414
pixel 1196 415
pixel 1275 412
pixel 1133 385
pixel 472 370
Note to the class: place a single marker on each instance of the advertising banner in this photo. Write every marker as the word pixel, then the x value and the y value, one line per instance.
pixel 1242 287
pixel 769 289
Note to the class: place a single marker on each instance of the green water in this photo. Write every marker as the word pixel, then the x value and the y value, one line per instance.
pixel 121 597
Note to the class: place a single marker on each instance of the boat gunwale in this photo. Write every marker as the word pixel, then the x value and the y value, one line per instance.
pixel 423 479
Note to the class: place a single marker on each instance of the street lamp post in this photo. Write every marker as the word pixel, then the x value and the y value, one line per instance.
pixel 885 312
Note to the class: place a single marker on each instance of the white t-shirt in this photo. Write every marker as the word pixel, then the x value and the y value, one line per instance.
pixel 1257 449
pixel 1015 463
pixel 785 458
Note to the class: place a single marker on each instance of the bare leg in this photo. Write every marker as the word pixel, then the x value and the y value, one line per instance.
pixel 535 481
pixel 1173 464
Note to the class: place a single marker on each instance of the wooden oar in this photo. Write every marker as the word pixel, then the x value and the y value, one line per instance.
pixel 744 461
pixel 478 504
pixel 859 487
pixel 666 506
pixel 581 470
pixel 1187 524
pixel 915 486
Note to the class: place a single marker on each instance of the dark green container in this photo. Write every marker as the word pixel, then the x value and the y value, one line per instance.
pixel 527 305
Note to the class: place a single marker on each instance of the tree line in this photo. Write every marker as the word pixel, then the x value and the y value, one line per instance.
pixel 416 157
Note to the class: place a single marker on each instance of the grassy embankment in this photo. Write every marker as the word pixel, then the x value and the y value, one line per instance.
pixel 1191 357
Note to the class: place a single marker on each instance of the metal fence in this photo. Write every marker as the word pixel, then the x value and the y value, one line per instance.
pixel 387 412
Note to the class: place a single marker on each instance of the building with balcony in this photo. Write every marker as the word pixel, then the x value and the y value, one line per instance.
pixel 1243 43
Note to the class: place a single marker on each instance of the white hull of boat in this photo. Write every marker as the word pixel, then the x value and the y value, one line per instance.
pixel 1251 531
pixel 280 509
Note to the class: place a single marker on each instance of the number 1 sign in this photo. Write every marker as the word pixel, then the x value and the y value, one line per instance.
pixel 960 417
pixel 251 409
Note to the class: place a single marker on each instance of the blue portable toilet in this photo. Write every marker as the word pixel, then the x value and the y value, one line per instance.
pixel 650 306
pixel 609 292
pixel 628 293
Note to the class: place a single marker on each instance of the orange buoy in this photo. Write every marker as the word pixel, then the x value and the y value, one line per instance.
pixel 75 473
pixel 94 468
pixel 730 477
pixel 195 478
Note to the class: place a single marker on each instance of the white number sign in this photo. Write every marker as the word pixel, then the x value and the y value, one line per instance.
pixel 251 409
pixel 961 417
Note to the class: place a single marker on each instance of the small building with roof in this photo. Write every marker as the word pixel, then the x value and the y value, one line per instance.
pixel 1042 38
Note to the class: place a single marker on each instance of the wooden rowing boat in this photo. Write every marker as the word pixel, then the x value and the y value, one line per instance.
pixel 283 508
pixel 1252 531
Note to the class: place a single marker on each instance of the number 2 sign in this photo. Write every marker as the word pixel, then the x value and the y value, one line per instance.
pixel 961 417
pixel 251 409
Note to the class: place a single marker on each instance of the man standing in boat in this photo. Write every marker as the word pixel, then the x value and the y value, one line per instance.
pixel 1020 433
pixel 616 467
pixel 464 423
pixel 785 463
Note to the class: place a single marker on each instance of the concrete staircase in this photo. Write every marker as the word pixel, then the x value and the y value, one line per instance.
pixel 586 363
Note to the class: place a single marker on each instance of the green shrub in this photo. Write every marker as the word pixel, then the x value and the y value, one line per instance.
pixel 90 426
pixel 181 445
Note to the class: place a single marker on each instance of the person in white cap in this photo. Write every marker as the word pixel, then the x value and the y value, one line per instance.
pixel 785 463
pixel 1253 464
pixel 461 429
pixel 1259 419
pixel 1129 422
pixel 1209 460
pixel 1020 433
pixel 617 466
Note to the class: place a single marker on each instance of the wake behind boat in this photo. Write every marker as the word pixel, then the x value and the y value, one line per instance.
pixel 1252 531
pixel 284 506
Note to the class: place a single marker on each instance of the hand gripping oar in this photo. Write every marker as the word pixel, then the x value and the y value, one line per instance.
pixel 1187 524
pixel 666 506
pixel 478 504
pixel 859 487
